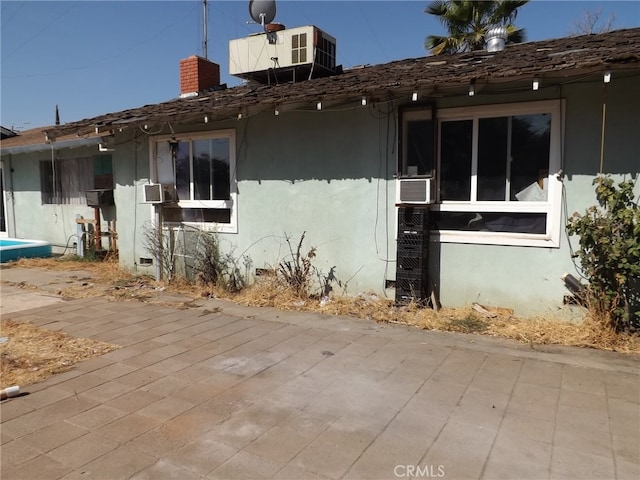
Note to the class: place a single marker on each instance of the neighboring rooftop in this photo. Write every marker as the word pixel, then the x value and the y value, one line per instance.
pixel 552 61
pixel 6 133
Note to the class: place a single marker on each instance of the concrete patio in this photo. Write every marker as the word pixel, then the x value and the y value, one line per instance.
pixel 223 391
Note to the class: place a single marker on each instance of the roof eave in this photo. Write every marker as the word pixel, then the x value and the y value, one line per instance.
pixel 47 146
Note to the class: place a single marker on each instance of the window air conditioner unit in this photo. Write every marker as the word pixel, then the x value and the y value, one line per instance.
pixel 159 193
pixel 417 191
pixel 99 198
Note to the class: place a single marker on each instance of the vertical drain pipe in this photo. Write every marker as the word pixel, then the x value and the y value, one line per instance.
pixel 604 121
pixel 157 210
pixel 13 199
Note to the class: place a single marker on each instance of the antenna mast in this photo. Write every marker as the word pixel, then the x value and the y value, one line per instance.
pixel 204 29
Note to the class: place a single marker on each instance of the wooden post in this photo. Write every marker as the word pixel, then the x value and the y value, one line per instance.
pixel 98 232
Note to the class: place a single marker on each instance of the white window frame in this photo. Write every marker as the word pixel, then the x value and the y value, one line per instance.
pixel 231 204
pixel 552 207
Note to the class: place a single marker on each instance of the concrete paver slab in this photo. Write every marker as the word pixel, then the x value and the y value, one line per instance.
pixel 226 391
pixel 15 298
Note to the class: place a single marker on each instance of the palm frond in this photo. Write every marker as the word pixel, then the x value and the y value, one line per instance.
pixel 467 22
pixel 438 45
pixel 516 35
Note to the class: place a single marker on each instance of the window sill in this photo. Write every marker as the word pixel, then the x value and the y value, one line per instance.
pixel 496 238
pixel 204 227
pixel 205 204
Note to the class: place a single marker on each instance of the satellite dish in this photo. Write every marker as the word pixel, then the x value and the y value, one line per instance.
pixel 262 11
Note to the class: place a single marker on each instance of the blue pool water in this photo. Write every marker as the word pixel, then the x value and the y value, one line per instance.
pixel 13 249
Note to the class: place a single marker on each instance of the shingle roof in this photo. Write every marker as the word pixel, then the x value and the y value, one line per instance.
pixel 556 59
pixel 35 138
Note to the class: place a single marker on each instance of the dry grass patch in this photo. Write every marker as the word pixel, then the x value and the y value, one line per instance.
pixel 108 270
pixel 31 354
pixel 113 281
pixel 537 330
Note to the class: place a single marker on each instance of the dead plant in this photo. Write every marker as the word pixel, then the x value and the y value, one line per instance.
pixel 297 269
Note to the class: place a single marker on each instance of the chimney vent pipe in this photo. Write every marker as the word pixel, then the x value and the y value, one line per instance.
pixel 496 38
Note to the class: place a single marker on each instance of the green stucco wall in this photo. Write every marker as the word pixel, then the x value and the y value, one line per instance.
pixel 326 174
pixel 131 171
pixel 27 216
pixel 331 174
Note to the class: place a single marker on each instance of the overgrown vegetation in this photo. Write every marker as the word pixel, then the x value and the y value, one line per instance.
pixel 219 269
pixel 196 255
pixel 295 271
pixel 298 272
pixel 609 254
pixel 163 244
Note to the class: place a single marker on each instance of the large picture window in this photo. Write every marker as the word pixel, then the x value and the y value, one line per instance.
pixel 202 168
pixel 495 170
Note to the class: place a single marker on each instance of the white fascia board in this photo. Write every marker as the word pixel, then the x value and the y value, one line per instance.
pixel 41 147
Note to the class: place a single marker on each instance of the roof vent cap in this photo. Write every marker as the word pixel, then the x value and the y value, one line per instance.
pixel 496 37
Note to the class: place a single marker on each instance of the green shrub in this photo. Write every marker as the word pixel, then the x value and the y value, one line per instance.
pixel 610 253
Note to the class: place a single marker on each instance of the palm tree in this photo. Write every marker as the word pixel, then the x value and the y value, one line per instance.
pixel 467 22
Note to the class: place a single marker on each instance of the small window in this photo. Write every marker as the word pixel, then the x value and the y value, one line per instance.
pixel 202 167
pixel 65 181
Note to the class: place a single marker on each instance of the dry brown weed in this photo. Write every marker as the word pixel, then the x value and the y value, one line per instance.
pixel 31 354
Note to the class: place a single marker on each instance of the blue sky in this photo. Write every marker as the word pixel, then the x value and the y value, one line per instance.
pixel 96 57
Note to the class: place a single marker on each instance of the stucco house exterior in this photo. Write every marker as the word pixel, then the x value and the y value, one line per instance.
pixel 507 144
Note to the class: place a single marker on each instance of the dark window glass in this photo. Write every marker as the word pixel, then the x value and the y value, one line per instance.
pixel 492 158
pixel 103 172
pixel 221 170
pixel 419 147
pixel 490 222
pixel 183 172
pixel 202 215
pixel 530 145
pixel 455 166
pixel 202 171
